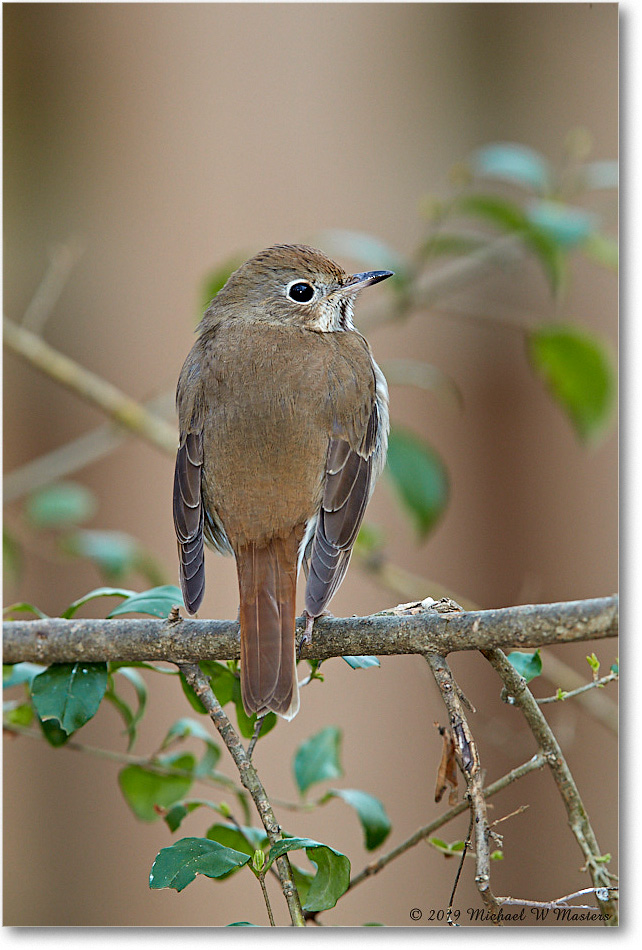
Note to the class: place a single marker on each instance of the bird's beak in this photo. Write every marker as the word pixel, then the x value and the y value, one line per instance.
pixel 359 281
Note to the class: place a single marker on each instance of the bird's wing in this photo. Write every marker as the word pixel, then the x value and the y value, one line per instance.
pixel 348 479
pixel 189 517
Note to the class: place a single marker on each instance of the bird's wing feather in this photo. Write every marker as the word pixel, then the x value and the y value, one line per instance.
pixel 348 478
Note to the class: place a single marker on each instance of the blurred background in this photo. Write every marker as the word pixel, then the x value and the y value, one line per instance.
pixel 147 145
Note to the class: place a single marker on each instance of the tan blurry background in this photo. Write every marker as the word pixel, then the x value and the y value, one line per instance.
pixel 169 137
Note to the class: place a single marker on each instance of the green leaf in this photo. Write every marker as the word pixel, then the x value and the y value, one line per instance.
pixel 245 839
pixel 317 759
pixel 20 715
pixel 11 555
pixel 113 552
pixel 509 216
pixel 221 679
pixel 241 923
pixel 146 790
pixel 448 850
pixel 446 244
pixel 567 225
pixel 52 732
pixel 60 506
pixel 23 608
pixel 178 865
pixel 513 163
pixel 18 673
pixel 158 601
pixel 70 693
pixel 603 249
pixel 185 728
pixel 419 478
pixel 175 815
pixel 578 373
pixel 247 723
pixel 333 871
pixel 217 279
pixel 130 718
pixel 528 665
pixel 371 813
pixel 93 595
pixel 361 662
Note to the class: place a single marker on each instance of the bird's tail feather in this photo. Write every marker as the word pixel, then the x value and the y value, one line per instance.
pixel 267 585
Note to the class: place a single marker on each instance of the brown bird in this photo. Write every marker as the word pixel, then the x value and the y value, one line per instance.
pixel 283 417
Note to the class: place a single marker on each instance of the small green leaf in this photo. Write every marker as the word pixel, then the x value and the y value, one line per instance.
pixel 603 249
pixel 241 923
pixel 317 759
pixel 217 279
pixel 594 663
pixel 361 662
pixel 130 718
pixel 449 850
pixel 221 679
pixel 445 244
pixel 146 790
pixel 175 815
pixel 60 506
pixel 52 732
pixel 419 477
pixel 70 693
pixel 514 163
pixel 528 665
pixel 20 673
pixel 567 225
pixel 333 871
pixel 23 608
pixel 113 552
pixel 244 838
pixel 178 865
pixel 371 813
pixel 501 212
pixel 497 856
pixel 21 715
pixel 577 371
pixel 93 595
pixel 183 729
pixel 158 601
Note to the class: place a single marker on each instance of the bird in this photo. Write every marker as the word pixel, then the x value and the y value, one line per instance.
pixel 283 432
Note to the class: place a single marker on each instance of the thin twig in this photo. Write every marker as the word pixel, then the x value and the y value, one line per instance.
pixel 536 762
pixel 563 695
pixel 560 902
pixel 470 765
pixel 90 387
pixel 62 259
pixel 250 780
pixel 74 455
pixel 521 696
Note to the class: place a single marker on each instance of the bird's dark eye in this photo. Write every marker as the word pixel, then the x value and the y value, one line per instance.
pixel 300 291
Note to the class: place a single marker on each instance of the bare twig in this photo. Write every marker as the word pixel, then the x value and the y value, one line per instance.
pixel 521 696
pixel 560 698
pixel 62 258
pixel 536 762
pixel 561 902
pixel 74 455
pixel 54 640
pixel 470 765
pixel 90 387
pixel 250 780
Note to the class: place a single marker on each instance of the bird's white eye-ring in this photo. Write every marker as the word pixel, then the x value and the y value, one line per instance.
pixel 300 291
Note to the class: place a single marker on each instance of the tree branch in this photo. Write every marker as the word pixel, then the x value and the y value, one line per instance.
pixel 106 397
pixel 521 696
pixel 250 779
pixel 54 640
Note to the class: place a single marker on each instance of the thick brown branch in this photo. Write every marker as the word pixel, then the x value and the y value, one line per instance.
pixel 389 633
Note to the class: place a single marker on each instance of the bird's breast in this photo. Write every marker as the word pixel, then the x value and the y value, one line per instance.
pixel 271 403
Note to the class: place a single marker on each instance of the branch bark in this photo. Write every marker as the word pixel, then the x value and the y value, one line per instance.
pixel 54 640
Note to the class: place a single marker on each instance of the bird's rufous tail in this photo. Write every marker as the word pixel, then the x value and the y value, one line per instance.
pixel 267 586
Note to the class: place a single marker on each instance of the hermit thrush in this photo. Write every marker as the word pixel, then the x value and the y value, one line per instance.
pixel 283 418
